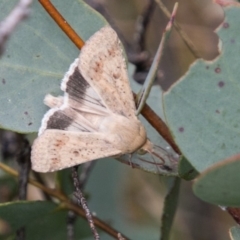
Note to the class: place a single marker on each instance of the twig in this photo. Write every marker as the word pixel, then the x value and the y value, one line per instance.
pixel 66 203
pixel 7 26
pixel 23 159
pixel 62 23
pixel 82 202
pixel 184 36
pixel 71 217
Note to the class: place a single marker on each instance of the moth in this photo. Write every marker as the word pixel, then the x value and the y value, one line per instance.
pixel 96 118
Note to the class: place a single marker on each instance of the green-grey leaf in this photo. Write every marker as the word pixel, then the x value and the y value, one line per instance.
pixel 18 214
pixel 235 233
pixel 37 56
pixel 203 108
pixel 42 219
pixel 220 183
pixel 54 227
pixel 170 207
pixel 186 170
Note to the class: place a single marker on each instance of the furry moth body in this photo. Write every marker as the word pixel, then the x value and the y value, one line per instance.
pixel 96 117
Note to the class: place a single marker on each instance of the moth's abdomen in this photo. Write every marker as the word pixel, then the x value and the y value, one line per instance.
pixel 127 135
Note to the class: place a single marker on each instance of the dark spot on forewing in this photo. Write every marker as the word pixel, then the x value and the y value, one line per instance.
pixel 60 143
pixel 77 85
pixel 55 161
pixel 59 121
pixel 76 153
pixel 116 75
pixel 3 81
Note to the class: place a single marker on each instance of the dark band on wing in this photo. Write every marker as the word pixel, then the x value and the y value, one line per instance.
pixel 59 121
pixel 76 88
pixel 77 85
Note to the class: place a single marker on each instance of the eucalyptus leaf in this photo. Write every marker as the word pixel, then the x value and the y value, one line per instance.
pixel 203 108
pixel 220 183
pixel 21 213
pixel 186 170
pixel 42 220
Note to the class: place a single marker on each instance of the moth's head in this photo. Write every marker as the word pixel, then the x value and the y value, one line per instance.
pixel 146 148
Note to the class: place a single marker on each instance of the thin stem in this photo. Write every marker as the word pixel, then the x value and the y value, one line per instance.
pixel 82 202
pixel 72 217
pixel 62 23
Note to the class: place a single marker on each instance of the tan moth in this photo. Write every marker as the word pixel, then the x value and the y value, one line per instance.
pixel 96 118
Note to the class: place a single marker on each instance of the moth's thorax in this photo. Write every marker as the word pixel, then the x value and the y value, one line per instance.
pixel 125 134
